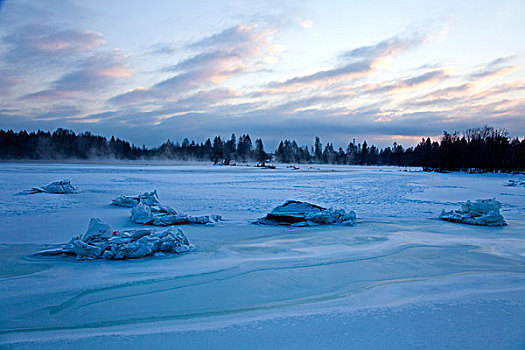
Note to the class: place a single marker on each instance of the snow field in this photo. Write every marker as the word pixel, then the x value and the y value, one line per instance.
pixel 400 277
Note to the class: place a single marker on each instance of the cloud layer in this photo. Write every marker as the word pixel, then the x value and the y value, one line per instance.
pixel 242 78
pixel 232 52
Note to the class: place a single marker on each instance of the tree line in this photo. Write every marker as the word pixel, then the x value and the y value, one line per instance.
pixel 484 149
pixel 66 144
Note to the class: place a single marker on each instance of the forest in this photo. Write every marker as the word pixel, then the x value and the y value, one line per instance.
pixel 484 149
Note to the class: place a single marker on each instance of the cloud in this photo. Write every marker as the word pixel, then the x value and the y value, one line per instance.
pixel 449 91
pixel 191 97
pixel 7 81
pixel 307 23
pixel 474 90
pixel 384 48
pixel 231 52
pixel 16 14
pixel 59 112
pixel 305 125
pixel 96 72
pixel 373 123
pixel 203 100
pixel 508 87
pixel 356 63
pixel 162 49
pixel 163 90
pixel 493 72
pixel 501 60
pixel 71 59
pixel 209 97
pixel 217 65
pixel 424 78
pixel 411 84
pixel 329 76
pixel 494 69
pixel 37 42
pixel 239 37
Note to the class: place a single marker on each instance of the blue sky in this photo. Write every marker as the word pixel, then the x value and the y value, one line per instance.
pixel 376 70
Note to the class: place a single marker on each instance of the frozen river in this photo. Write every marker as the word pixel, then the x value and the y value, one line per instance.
pixel 400 278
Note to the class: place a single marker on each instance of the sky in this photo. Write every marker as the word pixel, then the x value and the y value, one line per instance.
pixel 383 71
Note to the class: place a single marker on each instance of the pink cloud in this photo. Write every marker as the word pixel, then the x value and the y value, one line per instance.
pixel 357 63
pixel 96 72
pixel 38 41
pixel 232 52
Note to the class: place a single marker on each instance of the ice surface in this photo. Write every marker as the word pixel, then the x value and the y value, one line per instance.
pixel 399 279
pixel 101 242
pixel 483 212
pixel 297 213
pixel 58 187
pixel 148 198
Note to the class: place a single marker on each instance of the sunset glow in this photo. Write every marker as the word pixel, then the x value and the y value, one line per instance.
pixel 100 67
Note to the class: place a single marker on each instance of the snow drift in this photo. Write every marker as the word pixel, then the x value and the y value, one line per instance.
pixel 101 242
pixel 148 198
pixel 297 213
pixel 58 187
pixel 483 212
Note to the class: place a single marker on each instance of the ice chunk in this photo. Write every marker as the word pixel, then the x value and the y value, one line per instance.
pixel 515 182
pixel 161 215
pixel 297 213
pixel 97 230
pixel 141 214
pixel 147 210
pixel 85 250
pixel 148 198
pixel 58 187
pixel 101 242
pixel 483 212
pixel 156 215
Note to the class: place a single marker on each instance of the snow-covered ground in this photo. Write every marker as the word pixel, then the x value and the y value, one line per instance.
pixel 399 278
